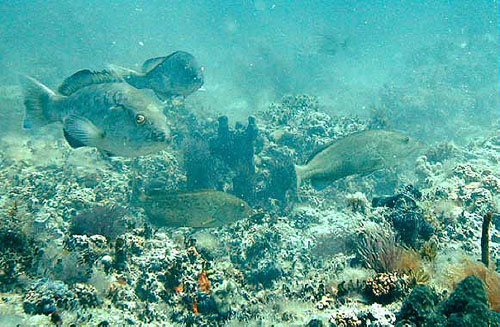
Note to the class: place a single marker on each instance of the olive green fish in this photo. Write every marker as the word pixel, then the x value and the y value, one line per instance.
pixel 357 154
pixel 205 208
pixel 113 117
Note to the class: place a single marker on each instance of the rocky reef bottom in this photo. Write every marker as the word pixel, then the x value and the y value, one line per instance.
pixel 400 247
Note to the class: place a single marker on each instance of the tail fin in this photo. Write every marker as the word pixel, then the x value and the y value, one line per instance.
pixel 37 98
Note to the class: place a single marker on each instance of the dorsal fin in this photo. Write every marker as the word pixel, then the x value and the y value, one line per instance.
pixel 151 63
pixel 319 149
pixel 86 77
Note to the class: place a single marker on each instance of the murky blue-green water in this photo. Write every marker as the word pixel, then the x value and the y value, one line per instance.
pixel 249 163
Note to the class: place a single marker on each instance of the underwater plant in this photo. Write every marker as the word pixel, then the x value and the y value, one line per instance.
pixel 101 220
pixel 410 260
pixel 488 275
pixel 379 251
pixel 429 251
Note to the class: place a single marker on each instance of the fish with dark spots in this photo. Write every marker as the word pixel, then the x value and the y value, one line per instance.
pixel 115 118
pixel 203 208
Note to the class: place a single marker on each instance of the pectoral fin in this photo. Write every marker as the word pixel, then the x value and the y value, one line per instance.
pixel 80 132
pixel 74 143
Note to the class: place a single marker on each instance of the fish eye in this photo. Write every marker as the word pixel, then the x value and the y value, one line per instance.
pixel 140 119
pixel 406 139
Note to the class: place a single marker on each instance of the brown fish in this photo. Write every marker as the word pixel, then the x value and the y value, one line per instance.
pixel 357 154
pixel 205 208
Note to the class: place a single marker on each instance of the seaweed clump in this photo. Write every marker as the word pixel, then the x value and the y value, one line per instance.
pixel 225 160
pixel 379 251
pixel 208 158
pixel 101 220
pixel 236 149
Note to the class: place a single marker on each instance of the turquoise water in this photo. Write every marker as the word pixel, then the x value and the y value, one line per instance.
pixel 249 163
pixel 253 51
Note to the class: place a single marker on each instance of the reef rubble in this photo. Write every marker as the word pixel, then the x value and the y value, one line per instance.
pixel 298 262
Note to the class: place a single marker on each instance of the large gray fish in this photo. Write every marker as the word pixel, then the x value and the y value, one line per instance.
pixel 205 208
pixel 113 117
pixel 177 74
pixel 357 154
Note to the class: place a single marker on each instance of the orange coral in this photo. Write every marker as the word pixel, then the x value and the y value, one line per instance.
pixel 488 275
pixel 204 282
pixel 179 288
pixel 410 260
pixel 195 307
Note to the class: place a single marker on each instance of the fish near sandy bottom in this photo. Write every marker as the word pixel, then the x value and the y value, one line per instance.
pixel 357 154
pixel 205 208
pixel 113 117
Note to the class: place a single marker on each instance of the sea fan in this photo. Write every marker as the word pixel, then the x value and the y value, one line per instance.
pixel 379 251
pixel 101 220
pixel 488 275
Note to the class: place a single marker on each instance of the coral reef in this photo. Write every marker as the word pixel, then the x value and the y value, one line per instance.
pixel 467 305
pixel 406 217
pixel 345 256
pixel 18 247
pixel 379 251
pixel 107 221
pixel 386 287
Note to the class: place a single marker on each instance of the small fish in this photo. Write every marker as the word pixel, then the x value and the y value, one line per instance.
pixel 113 117
pixel 357 154
pixel 205 208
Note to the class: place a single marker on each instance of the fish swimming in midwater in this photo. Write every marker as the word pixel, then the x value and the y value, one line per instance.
pixel 361 153
pixel 113 117
pixel 177 74
pixel 204 208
